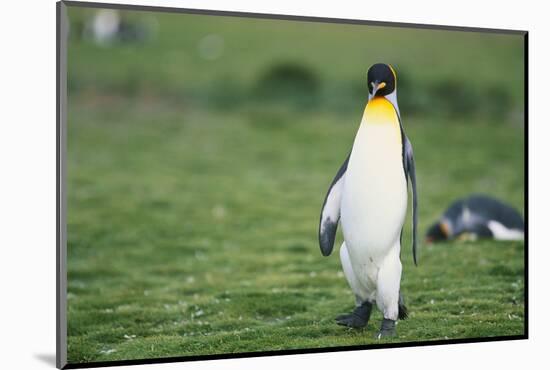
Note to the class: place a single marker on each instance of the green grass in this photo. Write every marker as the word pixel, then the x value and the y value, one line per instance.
pixel 192 213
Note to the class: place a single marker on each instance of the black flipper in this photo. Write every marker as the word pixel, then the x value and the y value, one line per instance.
pixel 410 171
pixel 330 213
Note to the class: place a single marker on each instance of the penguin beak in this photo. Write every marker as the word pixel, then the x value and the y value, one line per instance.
pixel 377 86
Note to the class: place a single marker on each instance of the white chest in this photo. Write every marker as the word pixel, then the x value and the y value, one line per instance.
pixel 374 198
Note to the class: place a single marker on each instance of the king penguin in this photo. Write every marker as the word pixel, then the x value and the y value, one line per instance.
pixel 369 197
pixel 477 216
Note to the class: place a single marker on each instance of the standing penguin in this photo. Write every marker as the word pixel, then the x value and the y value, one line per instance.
pixel 369 195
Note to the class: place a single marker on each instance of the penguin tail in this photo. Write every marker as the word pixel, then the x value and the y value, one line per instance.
pixel 403 312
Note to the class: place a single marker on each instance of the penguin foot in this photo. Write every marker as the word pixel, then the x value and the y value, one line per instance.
pixel 358 318
pixel 387 329
pixel 351 321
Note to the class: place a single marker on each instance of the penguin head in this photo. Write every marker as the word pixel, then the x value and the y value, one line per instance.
pixel 436 233
pixel 381 79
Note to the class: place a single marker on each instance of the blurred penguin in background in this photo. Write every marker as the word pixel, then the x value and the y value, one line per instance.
pixel 108 27
pixel 477 216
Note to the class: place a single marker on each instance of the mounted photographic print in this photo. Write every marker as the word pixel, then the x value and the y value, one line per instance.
pixel 236 185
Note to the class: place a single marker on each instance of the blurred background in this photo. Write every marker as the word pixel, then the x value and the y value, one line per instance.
pixel 200 149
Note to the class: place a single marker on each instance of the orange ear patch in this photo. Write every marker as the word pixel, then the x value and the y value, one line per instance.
pixel 445 229
pixel 394 75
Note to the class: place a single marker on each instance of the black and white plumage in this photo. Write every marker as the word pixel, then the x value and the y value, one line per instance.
pixel 369 197
pixel 410 173
pixel 330 213
pixel 478 216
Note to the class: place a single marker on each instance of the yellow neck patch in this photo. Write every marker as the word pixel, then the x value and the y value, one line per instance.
pixel 379 111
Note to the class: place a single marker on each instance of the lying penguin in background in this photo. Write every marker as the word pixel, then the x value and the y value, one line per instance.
pixel 477 216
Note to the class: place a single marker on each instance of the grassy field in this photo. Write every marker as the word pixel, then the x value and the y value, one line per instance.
pixel 194 188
